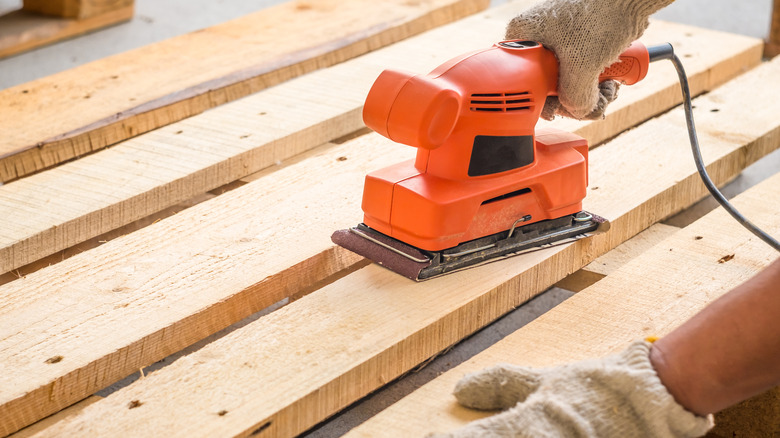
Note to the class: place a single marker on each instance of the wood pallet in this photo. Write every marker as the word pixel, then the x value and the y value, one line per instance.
pixel 41 22
pixel 348 328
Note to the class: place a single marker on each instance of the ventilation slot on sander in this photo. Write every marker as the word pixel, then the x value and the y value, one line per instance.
pixel 501 102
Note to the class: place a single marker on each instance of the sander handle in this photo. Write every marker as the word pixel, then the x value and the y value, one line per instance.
pixel 631 67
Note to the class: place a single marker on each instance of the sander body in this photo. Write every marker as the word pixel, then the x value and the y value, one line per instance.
pixel 486 183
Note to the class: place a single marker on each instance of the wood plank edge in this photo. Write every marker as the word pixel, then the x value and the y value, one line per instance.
pixel 773 39
pixel 47 422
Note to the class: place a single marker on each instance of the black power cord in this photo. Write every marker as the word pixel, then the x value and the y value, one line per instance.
pixel 666 51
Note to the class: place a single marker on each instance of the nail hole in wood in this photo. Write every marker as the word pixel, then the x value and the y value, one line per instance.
pixel 54 359
pixel 726 258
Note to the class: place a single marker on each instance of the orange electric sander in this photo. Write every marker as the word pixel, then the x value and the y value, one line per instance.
pixel 485 183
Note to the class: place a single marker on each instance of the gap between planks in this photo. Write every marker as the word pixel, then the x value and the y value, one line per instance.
pixel 358 333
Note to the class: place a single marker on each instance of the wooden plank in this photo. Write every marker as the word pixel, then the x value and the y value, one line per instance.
pixel 103 238
pixel 23 30
pixel 650 295
pixel 773 40
pixel 290 369
pixel 611 261
pixel 47 422
pixel 143 175
pixel 101 103
pixel 79 9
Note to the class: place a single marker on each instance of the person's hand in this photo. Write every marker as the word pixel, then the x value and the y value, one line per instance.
pixel 587 36
pixel 616 396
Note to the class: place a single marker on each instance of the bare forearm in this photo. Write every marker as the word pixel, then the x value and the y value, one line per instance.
pixel 729 351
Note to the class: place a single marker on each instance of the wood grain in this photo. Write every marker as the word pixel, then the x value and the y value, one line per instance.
pixel 650 295
pixel 141 176
pixel 285 372
pixel 611 261
pixel 109 100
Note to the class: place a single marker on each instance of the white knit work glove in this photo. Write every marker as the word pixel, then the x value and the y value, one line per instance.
pixel 616 396
pixel 587 36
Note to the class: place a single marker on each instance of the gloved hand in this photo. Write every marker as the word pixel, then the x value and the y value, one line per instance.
pixel 617 396
pixel 587 36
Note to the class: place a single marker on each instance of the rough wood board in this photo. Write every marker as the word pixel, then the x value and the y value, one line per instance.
pixel 611 261
pixel 22 30
pixel 101 103
pixel 283 373
pixel 75 8
pixel 146 174
pixel 773 41
pixel 47 422
pixel 651 295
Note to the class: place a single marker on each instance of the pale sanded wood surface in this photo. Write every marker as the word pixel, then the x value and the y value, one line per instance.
pixel 146 174
pixel 86 108
pixel 285 372
pixel 611 261
pixel 650 295
pixel 24 30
